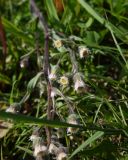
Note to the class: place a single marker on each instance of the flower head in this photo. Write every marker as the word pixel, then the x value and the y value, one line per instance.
pixel 62 156
pixel 79 84
pixel 83 51
pixel 40 150
pixel 63 80
pixel 58 43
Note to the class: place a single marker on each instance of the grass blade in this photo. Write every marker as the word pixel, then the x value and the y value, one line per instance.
pixel 32 83
pixel 97 135
pixel 91 11
pixel 36 121
pixel 103 21
pixel 51 10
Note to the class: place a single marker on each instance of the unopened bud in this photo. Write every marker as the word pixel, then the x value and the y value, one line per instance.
pixel 24 63
pixel 72 119
pixel 79 84
pixel 52 76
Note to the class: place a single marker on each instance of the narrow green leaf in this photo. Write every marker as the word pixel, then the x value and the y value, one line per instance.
pixel 36 121
pixel 122 115
pixel 4 79
pixel 115 114
pixel 103 21
pixel 97 135
pixel 67 15
pixel 118 47
pixel 32 83
pixel 91 11
pixel 16 31
pixel 24 149
pixel 51 10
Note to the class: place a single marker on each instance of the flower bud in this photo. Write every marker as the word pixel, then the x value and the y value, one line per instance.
pixel 24 63
pixel 52 73
pixel 79 84
pixel 52 76
pixel 72 119
pixel 53 94
pixel 60 133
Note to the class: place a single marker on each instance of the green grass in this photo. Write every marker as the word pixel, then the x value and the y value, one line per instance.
pixel 101 107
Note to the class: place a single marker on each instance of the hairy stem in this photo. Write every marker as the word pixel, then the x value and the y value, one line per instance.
pixel 46 69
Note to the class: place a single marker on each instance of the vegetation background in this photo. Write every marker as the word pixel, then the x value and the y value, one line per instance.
pixel 100 105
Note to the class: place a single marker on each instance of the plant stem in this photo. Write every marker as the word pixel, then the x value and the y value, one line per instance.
pixel 46 68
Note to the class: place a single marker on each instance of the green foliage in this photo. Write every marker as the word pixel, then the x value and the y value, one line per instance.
pixel 87 44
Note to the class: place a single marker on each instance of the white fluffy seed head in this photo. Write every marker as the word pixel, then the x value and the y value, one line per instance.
pixel 40 150
pixel 62 156
pixel 79 84
pixel 83 51
pixel 53 149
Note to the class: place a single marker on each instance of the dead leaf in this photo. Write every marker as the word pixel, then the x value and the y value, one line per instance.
pixel 4 128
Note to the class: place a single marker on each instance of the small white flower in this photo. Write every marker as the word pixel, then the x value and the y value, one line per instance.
pixel 58 43
pixel 63 80
pixel 83 51
pixel 62 156
pixel 40 150
pixel 79 84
